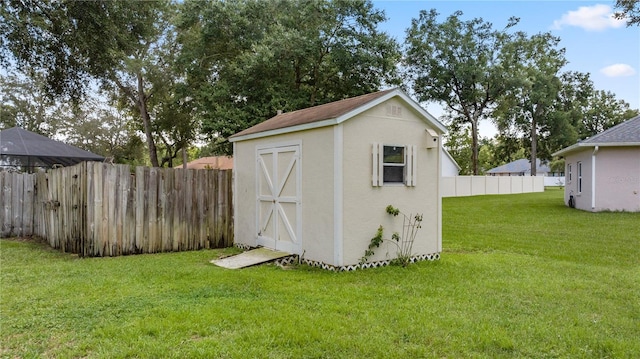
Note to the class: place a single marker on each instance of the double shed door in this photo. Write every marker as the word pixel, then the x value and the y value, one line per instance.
pixel 279 209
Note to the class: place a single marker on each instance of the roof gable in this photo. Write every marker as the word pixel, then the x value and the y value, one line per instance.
pixel 330 114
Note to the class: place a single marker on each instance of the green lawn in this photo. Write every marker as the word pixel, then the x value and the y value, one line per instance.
pixel 520 276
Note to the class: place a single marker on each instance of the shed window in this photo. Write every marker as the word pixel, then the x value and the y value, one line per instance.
pixel 579 177
pixel 569 172
pixel 394 164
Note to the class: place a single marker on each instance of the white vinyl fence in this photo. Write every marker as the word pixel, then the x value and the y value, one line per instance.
pixel 460 186
pixel 554 181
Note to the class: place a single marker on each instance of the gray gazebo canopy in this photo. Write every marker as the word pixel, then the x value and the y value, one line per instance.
pixel 19 147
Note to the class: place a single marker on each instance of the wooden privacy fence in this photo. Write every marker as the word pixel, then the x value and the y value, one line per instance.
pixel 16 200
pixel 98 209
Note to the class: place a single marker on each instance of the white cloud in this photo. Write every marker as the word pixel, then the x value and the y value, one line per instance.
pixel 591 18
pixel 618 70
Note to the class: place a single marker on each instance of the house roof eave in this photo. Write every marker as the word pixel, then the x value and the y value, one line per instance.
pixel 581 146
pixel 283 130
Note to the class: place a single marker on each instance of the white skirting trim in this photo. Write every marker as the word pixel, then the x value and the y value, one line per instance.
pixel 244 247
pixel 294 258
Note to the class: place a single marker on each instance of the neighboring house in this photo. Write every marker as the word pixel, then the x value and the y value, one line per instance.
pixel 522 167
pixel 603 172
pixel 212 163
pixel 450 167
pixel 316 182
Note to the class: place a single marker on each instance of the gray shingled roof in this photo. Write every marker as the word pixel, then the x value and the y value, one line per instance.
pixel 32 149
pixel 626 133
pixel 520 166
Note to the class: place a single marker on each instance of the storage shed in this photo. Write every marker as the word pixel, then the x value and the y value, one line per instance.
pixel 316 182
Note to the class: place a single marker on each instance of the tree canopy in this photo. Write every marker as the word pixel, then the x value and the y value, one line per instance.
pixel 528 105
pixel 265 56
pixel 176 73
pixel 457 63
pixel 629 10
pixel 68 42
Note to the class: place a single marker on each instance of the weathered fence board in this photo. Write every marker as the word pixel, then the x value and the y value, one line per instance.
pixel 98 209
pixel 16 204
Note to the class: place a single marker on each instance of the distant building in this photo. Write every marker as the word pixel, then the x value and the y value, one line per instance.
pixel 450 167
pixel 212 163
pixel 522 168
pixel 603 172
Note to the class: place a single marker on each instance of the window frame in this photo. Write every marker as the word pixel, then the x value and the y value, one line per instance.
pixel 579 177
pixel 569 172
pixel 403 164
pixel 409 164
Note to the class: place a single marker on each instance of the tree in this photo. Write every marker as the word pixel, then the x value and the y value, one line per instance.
pixel 629 10
pixel 265 56
pixel 604 111
pixel 458 144
pixel 92 124
pixel 508 148
pixel 23 103
pixel 529 107
pixel 457 63
pixel 587 111
pixel 126 46
pixel 69 42
pixel 573 101
pixel 96 127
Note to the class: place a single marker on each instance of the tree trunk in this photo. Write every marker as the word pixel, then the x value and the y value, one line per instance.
pixel 534 140
pixel 534 148
pixel 146 121
pixel 474 145
pixel 184 157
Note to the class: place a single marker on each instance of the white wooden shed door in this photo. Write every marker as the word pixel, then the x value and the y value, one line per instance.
pixel 279 198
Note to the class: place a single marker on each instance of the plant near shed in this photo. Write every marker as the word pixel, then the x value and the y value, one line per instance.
pixel 404 242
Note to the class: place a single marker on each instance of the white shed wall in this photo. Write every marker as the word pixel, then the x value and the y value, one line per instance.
pixel 317 190
pixel 364 205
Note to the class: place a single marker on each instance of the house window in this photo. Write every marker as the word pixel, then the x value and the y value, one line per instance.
pixel 394 164
pixel 569 172
pixel 579 177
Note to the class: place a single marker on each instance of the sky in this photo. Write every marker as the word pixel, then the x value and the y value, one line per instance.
pixel 595 43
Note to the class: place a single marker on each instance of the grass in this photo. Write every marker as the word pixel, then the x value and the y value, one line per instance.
pixel 520 276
